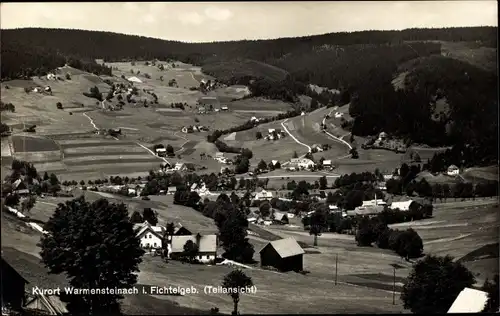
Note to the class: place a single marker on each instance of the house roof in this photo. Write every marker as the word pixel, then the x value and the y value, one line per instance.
pixel 369 210
pixel 287 247
pixel 178 228
pixel 172 189
pixel 374 202
pixel 134 79
pixel 52 304
pixel 207 243
pixel 264 194
pixel 327 162
pixel 402 205
pixel 452 167
pixel 279 216
pixel 469 301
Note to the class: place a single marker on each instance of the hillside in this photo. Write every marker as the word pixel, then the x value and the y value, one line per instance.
pixel 361 65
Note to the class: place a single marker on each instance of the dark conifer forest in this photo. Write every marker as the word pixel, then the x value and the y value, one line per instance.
pixel 361 65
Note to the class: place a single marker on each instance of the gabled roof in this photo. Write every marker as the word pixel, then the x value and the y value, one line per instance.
pixel 155 230
pixel 280 216
pixel 285 248
pixel 327 162
pixel 369 210
pixel 207 243
pixel 469 301
pixel 180 229
pixel 134 79
pixel 51 303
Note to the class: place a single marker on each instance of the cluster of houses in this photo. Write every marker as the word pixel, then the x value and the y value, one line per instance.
pixel 210 104
pixel 194 128
pixel 46 90
pixel 274 134
pixel 221 159
pixel 178 166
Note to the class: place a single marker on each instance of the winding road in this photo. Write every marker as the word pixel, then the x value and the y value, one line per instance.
pixel 309 149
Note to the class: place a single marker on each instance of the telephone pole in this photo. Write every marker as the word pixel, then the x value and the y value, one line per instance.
pixel 336 267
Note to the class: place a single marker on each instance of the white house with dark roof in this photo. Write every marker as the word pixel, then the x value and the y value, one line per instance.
pixel 207 247
pixel 469 301
pixel 150 236
pixel 453 170
pixel 403 206
pixel 263 195
pixel 284 255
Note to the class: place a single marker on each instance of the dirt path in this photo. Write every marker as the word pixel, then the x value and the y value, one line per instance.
pixel 293 137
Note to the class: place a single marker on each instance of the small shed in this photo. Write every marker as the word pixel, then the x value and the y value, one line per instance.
pixel 284 254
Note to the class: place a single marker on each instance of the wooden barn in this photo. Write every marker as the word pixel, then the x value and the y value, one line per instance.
pixel 284 255
pixel 13 286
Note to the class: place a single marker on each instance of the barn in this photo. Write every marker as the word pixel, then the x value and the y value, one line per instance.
pixel 284 255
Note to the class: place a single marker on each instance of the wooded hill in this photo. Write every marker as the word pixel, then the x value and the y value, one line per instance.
pixel 361 65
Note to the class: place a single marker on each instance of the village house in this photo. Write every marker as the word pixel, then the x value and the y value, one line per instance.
pixel 301 163
pixel 224 108
pixel 374 202
pixel 254 119
pixel 284 255
pixel 150 236
pixel 13 287
pixel 453 170
pixel 403 206
pixel 263 195
pixel 171 190
pixel 280 218
pixel 46 305
pixel 370 211
pixel 274 134
pixel 19 187
pixel 207 247
pixel 327 164
pixel 333 208
pixel 134 80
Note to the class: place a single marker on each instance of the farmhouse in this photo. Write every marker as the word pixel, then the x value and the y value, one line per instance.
pixel 403 206
pixel 327 164
pixel 46 305
pixel 469 301
pixel 150 236
pixel 453 170
pixel 280 218
pixel 134 79
pixel 274 134
pixel 301 163
pixel 374 202
pixel 171 190
pixel 263 195
pixel 12 287
pixel 207 247
pixel 224 108
pixel 20 188
pixel 284 254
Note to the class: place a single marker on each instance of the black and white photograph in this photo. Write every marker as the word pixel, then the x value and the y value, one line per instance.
pixel 261 157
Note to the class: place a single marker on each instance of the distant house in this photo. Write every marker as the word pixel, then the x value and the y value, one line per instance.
pixel 453 170
pixel 224 108
pixel 254 119
pixel 280 218
pixel 150 236
pixel 263 195
pixel 371 210
pixel 274 162
pixel 202 110
pixel 469 301
pixel 178 166
pixel 51 76
pixel 47 305
pixel 333 208
pixel 12 286
pixel 207 247
pixel 388 176
pixel 134 79
pixel 171 190
pixel 284 255
pixel 403 206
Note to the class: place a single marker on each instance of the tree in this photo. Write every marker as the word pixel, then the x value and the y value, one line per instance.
pixel 95 245
pixel 262 165
pixel 53 179
pixel 136 218
pixel 170 150
pixel 28 203
pixel 417 158
pixel 82 182
pixel 434 284
pixel 45 176
pixel 59 105
pixel 258 135
pixel 190 250
pixel 318 223
pixel 323 183
pixel 238 280
pixel 295 155
pixel 149 215
pixel 492 288
pixel 265 209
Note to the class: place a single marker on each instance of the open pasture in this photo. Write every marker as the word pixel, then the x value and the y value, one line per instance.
pixel 260 105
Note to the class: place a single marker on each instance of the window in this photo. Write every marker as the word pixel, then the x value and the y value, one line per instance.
pixel 154 245
pixel 208 257
pixel 200 257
